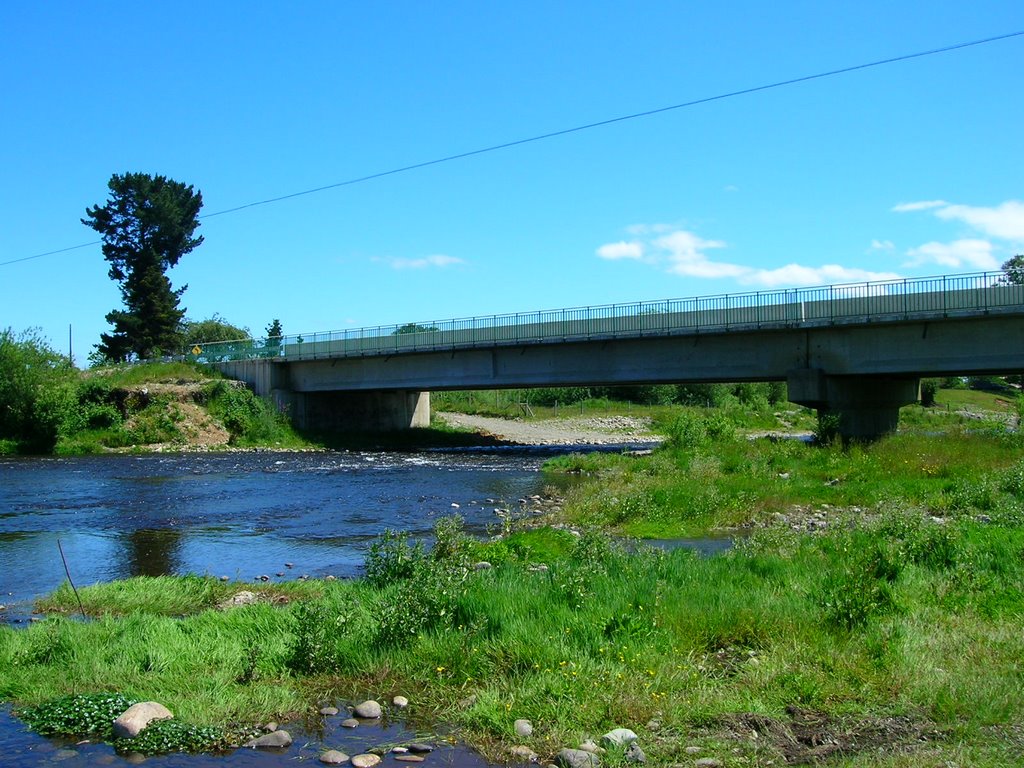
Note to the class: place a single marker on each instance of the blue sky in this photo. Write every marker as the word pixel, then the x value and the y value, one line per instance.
pixel 913 168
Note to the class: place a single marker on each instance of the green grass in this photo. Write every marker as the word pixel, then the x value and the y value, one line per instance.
pixel 142 373
pixel 896 618
pixel 733 482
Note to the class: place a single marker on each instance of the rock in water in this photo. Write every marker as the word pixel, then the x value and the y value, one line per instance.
pixel 577 758
pixel 130 723
pixel 368 709
pixel 333 757
pixel 275 739
pixel 365 760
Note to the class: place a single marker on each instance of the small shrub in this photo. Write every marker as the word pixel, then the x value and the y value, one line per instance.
pixel 862 589
pixel 313 649
pixel 391 558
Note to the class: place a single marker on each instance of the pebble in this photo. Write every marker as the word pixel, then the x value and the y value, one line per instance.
pixel 368 709
pixel 350 723
pixel 334 757
pixel 577 758
pixel 289 565
pixel 524 753
pixel 523 728
pixel 692 750
pixel 400 750
pixel 270 740
pixel 365 760
pixel 421 747
pixel 328 711
pixel 264 577
pixel 708 762
pixel 619 737
pixel 407 758
pixel 270 727
pixel 400 702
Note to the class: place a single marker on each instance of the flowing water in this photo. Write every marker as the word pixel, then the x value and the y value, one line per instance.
pixel 240 515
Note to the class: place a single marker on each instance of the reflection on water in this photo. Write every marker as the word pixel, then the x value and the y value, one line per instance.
pixel 240 515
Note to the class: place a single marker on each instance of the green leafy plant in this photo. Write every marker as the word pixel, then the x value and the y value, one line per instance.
pixel 84 714
pixel 163 736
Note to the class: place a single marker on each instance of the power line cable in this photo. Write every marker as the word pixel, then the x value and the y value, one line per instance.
pixel 575 129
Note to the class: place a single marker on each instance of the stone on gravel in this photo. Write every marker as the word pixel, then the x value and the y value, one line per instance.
pixel 524 753
pixel 635 755
pixel 577 758
pixel 523 728
pixel 619 737
pixel 130 723
pixel 400 702
pixel 365 760
pixel 271 740
pixel 334 757
pixel 369 710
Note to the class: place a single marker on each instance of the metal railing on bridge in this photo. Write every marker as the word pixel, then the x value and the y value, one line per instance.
pixel 877 301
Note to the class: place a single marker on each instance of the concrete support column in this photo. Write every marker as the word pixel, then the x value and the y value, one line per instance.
pixel 355 411
pixel 867 407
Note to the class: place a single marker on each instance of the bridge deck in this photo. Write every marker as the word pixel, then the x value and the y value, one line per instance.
pixel 862 303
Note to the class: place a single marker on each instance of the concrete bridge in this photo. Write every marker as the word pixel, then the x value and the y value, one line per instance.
pixel 857 351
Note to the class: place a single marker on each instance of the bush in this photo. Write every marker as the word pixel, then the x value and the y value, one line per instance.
pixel 245 415
pixel 929 388
pixel 35 391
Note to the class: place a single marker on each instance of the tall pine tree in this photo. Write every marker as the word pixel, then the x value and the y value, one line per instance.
pixel 147 224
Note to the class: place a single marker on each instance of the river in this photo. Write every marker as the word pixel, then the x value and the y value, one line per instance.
pixel 239 515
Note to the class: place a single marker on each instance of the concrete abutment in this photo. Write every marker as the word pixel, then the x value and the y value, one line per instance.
pixel 866 407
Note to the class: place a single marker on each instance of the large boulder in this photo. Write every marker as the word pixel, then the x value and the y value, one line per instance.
pixel 130 723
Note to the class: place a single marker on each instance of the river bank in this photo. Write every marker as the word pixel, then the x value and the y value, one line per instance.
pixel 888 636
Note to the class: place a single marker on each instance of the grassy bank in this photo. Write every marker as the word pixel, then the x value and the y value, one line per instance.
pixel 869 616
pixel 895 641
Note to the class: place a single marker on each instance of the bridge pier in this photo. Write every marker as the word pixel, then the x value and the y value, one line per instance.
pixel 867 407
pixel 358 411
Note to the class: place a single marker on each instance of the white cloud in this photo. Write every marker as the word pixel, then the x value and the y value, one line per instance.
pixel 882 245
pixel 1004 222
pixel 438 260
pixel 684 253
pixel 960 253
pixel 796 274
pixel 924 205
pixel 621 250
